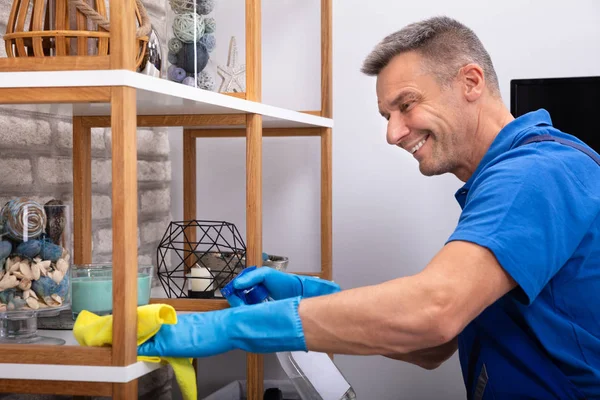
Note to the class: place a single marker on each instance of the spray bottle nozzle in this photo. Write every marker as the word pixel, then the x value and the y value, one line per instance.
pixel 252 295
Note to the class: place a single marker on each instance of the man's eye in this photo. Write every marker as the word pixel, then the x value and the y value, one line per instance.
pixel 405 106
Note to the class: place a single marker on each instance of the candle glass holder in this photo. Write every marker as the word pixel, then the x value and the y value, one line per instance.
pixel 206 254
pixel 93 287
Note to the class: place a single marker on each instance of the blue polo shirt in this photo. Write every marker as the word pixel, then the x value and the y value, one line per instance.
pixel 537 209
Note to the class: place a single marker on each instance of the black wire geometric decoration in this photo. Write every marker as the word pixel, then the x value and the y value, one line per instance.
pixel 205 265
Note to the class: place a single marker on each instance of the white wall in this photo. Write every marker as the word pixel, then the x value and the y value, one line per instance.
pixel 388 219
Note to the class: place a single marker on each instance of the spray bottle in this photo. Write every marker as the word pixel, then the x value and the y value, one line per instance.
pixel 313 374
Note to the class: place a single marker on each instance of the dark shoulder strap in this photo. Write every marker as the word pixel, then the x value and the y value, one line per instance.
pixel 550 138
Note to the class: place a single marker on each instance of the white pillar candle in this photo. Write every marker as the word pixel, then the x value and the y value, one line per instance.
pixel 199 285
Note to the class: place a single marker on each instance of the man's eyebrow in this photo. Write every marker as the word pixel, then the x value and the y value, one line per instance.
pixel 402 96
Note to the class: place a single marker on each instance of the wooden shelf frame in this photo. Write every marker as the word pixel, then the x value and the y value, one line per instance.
pixel 124 121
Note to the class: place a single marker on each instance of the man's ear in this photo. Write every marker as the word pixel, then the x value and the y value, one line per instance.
pixel 473 81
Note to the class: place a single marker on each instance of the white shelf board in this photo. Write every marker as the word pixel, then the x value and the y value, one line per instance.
pixel 82 373
pixel 155 96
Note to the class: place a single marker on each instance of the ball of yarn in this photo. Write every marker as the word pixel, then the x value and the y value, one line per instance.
pixel 205 6
pixel 175 45
pixel 191 61
pixel 206 81
pixel 176 74
pixel 210 25
pixel 209 42
pixel 181 6
pixel 23 219
pixel 188 27
pixel 172 58
pixel 190 81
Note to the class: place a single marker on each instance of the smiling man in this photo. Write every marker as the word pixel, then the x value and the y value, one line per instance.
pixel 515 288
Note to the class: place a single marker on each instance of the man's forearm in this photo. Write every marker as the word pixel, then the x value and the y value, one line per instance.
pixel 407 314
pixel 398 316
pixel 430 358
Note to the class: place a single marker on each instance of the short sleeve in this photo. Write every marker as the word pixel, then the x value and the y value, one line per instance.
pixel 531 211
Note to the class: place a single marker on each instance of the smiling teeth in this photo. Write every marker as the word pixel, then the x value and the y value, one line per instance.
pixel 418 146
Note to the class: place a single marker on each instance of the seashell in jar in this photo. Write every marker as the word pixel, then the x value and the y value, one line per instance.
pixel 57 276
pixel 26 270
pixel 15 266
pixel 9 262
pixel 49 301
pixel 62 266
pixel 30 293
pixel 57 299
pixel 32 303
pixel 25 284
pixel 36 271
pixel 8 281
pixel 65 255
pixel 18 275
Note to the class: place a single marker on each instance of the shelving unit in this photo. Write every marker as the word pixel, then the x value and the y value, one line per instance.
pixel 104 91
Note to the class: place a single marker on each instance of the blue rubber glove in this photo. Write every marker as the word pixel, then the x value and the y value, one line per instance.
pixel 263 328
pixel 282 285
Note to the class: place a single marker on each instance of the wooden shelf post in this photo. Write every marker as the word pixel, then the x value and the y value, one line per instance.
pixel 124 196
pixel 254 362
pixel 82 192
pixel 326 142
pixel 189 191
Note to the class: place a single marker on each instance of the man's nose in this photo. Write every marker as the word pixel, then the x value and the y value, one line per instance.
pixel 396 129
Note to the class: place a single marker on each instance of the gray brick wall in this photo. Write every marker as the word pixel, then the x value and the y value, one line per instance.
pixel 35 161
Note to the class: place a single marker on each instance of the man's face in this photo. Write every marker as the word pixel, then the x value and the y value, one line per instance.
pixel 424 118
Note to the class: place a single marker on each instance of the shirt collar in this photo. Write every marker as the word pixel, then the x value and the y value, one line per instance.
pixel 506 139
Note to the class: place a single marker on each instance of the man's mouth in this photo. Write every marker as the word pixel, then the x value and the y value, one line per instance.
pixel 419 145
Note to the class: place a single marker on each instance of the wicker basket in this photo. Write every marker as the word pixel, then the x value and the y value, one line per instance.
pixel 43 28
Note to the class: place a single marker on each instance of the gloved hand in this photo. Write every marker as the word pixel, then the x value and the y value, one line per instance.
pixel 282 285
pixel 263 328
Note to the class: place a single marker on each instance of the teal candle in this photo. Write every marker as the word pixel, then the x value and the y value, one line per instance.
pixel 94 294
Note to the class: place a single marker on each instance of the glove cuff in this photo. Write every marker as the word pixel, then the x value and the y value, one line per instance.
pixel 267 327
pixel 313 286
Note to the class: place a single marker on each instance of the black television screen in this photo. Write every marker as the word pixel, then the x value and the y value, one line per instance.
pixel 573 104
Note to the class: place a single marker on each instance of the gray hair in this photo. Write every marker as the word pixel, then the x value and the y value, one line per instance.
pixel 445 44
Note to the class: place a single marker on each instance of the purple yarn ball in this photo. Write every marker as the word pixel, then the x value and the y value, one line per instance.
pixel 209 42
pixel 176 74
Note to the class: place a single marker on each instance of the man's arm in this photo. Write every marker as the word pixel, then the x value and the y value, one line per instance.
pixel 404 315
pixel 430 358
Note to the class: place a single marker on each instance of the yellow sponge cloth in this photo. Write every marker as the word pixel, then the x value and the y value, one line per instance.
pixel 94 330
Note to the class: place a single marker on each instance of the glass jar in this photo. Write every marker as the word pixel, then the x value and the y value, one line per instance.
pixel 92 287
pixel 35 260
pixel 190 39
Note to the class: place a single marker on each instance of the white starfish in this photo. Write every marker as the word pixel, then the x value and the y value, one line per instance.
pixel 233 75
